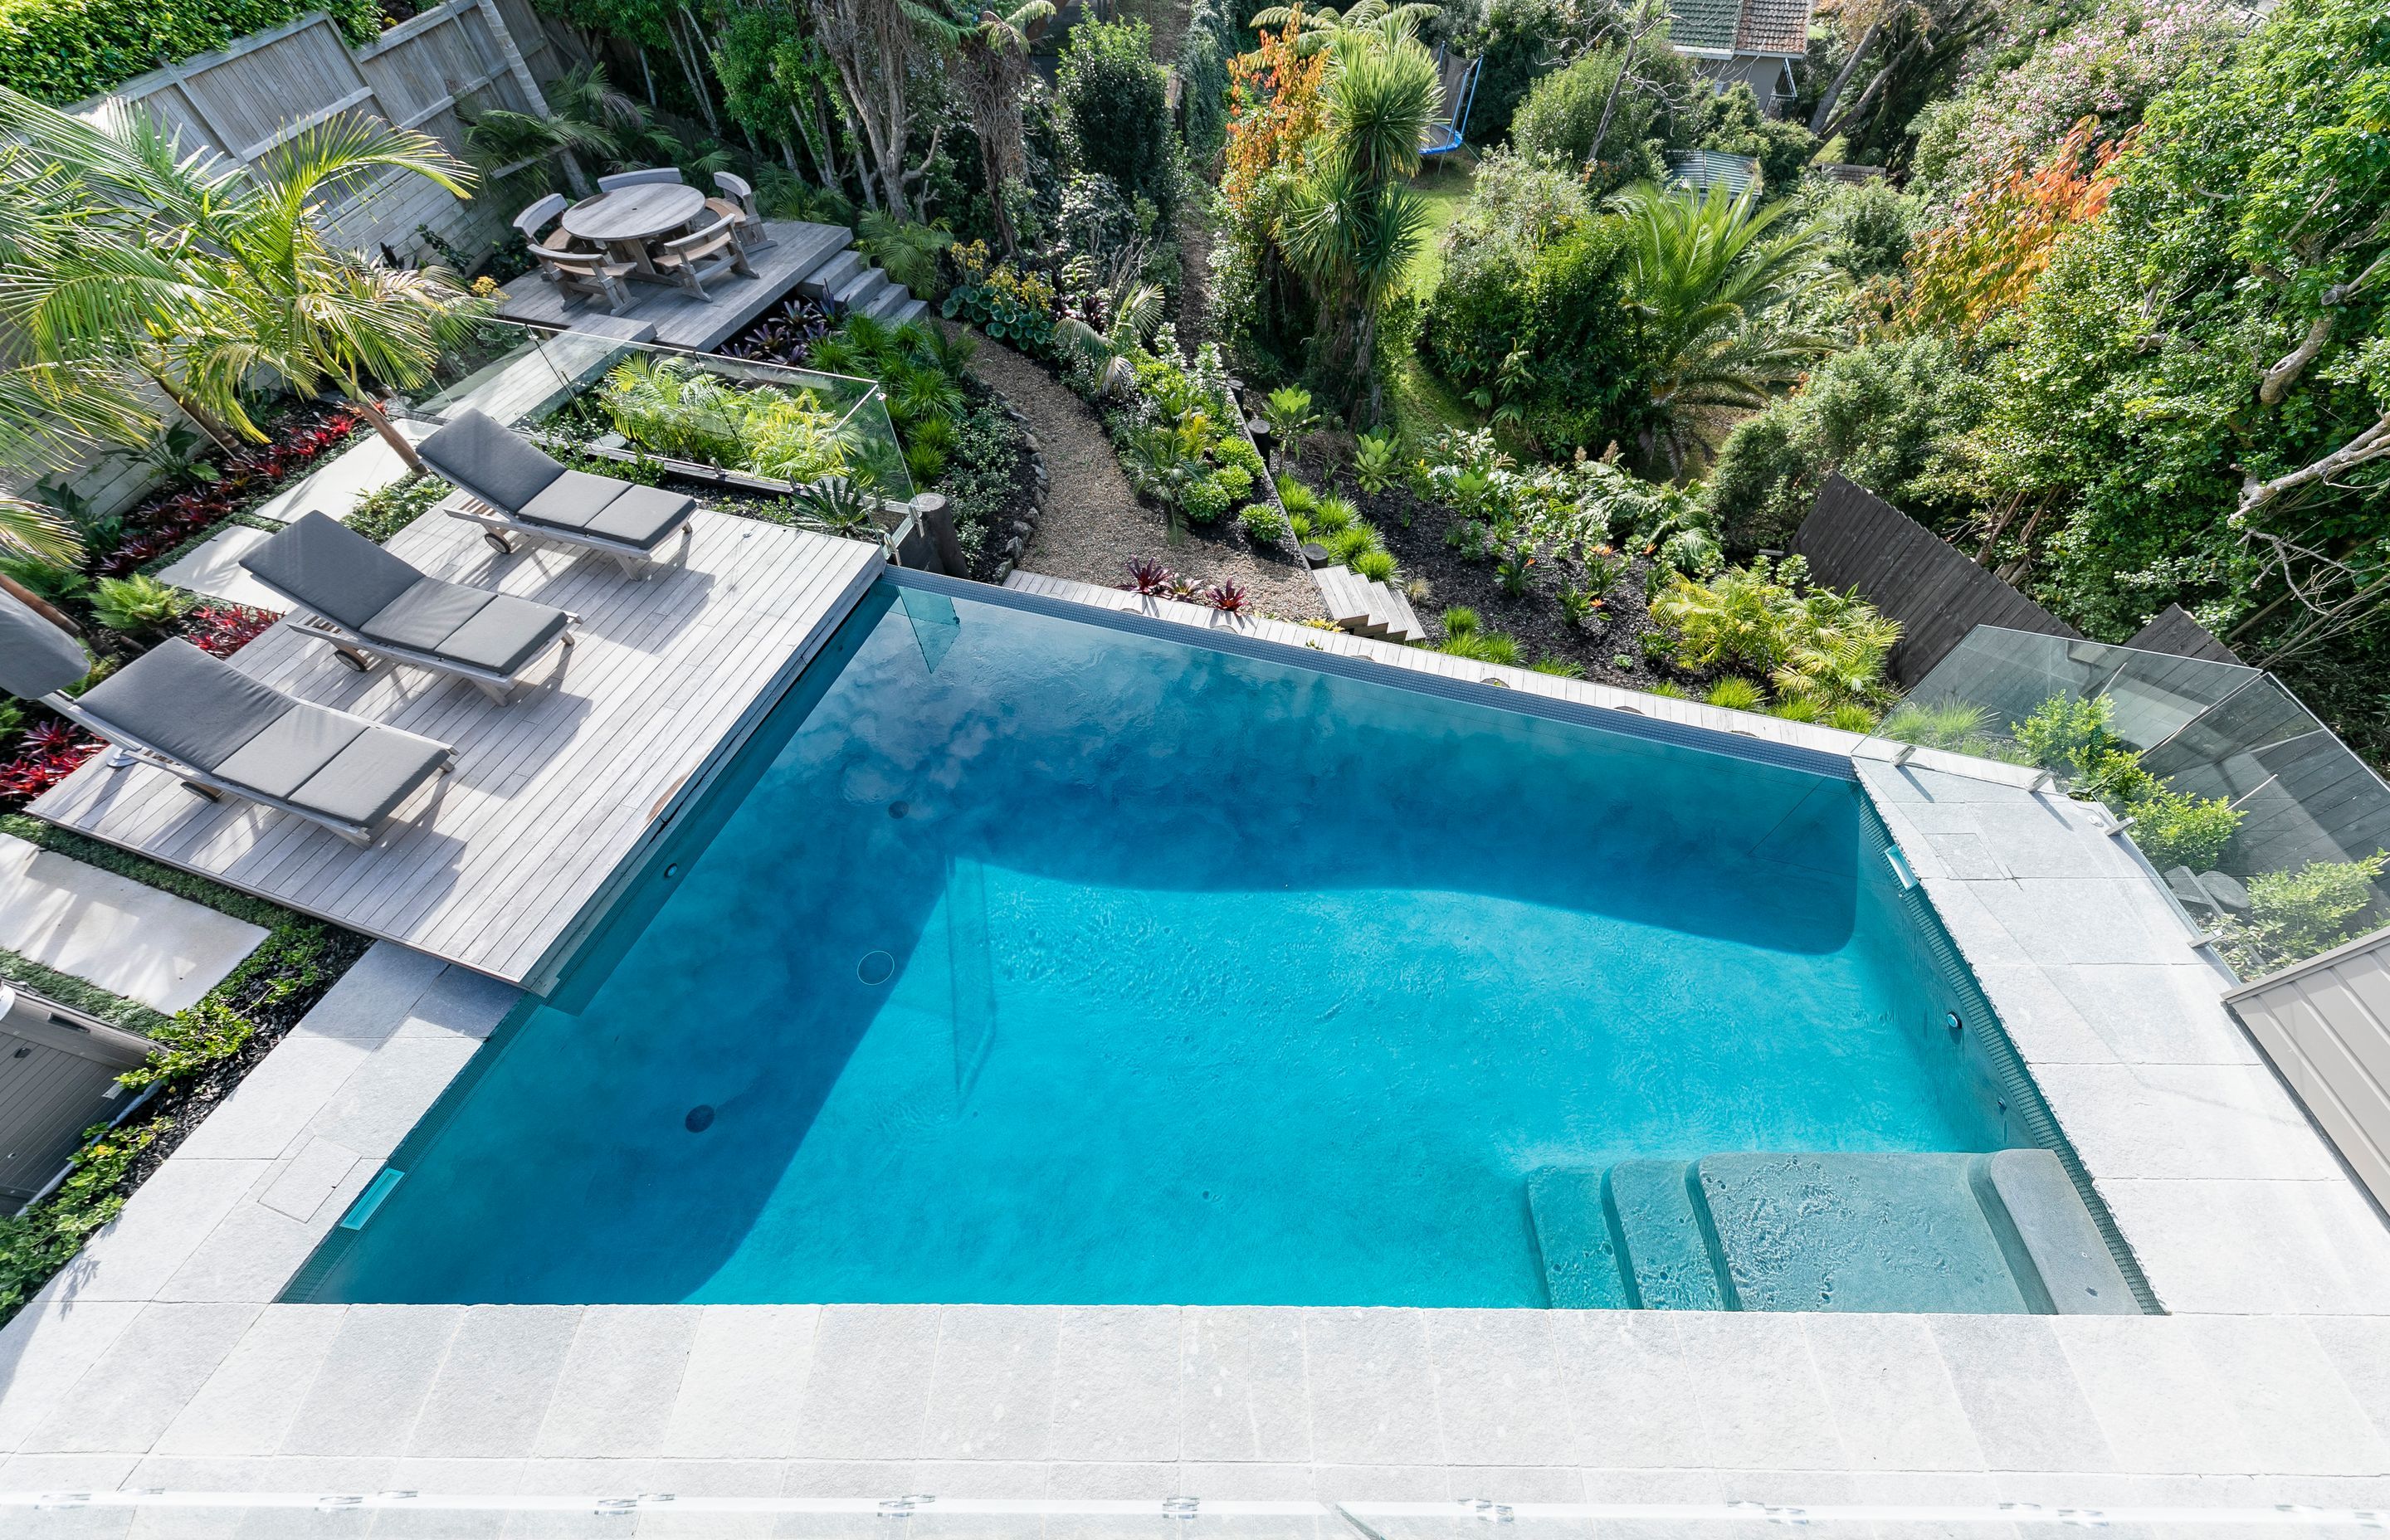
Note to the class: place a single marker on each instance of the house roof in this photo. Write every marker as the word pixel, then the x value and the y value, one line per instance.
pixel 1773 27
pixel 1742 26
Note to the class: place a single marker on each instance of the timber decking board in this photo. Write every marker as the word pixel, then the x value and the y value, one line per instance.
pixel 681 319
pixel 552 791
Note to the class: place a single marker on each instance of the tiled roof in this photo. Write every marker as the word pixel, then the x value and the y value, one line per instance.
pixel 1773 27
pixel 1704 23
pixel 1742 26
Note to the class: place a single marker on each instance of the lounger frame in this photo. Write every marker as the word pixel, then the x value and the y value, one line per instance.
pixel 360 650
pixel 213 786
pixel 500 529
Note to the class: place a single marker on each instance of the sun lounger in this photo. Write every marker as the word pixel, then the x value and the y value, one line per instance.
pixel 218 730
pixel 366 601
pixel 521 492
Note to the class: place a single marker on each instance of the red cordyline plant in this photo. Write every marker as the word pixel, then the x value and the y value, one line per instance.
pixel 46 755
pixel 1150 578
pixel 161 524
pixel 1230 597
pixel 224 629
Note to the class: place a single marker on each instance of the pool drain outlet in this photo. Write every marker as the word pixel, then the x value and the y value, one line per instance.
pixel 877 968
pixel 700 1119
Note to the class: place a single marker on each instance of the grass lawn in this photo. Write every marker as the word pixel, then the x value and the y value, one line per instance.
pixel 1421 402
pixel 1446 187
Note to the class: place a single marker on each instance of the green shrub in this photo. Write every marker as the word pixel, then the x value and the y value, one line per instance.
pixel 1798 708
pixel 139 603
pixel 1350 542
pixel 1956 725
pixel 1851 718
pixel 1112 104
pixel 1235 481
pixel 2297 914
pixel 1335 514
pixel 1377 566
pixel 1731 123
pixel 1563 111
pixel 2067 736
pixel 1298 498
pixel 386 510
pixel 2174 829
pixel 1377 460
pixel 1671 690
pixel 1202 501
pixel 1233 450
pixel 1735 694
pixel 1263 525
pixel 1766 619
pixel 1566 668
pixel 61 51
pixel 35 1244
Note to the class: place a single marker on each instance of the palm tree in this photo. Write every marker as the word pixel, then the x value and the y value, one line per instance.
pixel 1708 274
pixel 990 67
pixel 587 117
pixel 203 276
pixel 1353 223
pixel 1328 27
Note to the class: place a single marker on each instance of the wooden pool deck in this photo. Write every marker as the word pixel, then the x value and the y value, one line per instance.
pixel 681 319
pixel 494 864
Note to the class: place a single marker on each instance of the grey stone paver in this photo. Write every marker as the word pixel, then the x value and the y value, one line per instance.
pixel 1890 1394
pixel 614 1398
pixel 745 1379
pixel 127 937
pixel 1497 1388
pixel 374 1380
pixel 493 1385
pixel 994 1384
pixel 1243 1389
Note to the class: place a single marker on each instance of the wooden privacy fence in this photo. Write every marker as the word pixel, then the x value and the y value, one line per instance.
pixel 1854 539
pixel 255 96
pixel 2325 1023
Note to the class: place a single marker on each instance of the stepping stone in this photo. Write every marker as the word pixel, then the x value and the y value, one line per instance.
pixel 215 570
pixel 332 489
pixel 127 937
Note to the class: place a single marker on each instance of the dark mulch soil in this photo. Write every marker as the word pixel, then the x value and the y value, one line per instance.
pixel 1608 648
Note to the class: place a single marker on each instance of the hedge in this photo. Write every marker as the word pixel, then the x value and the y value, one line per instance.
pixel 61 51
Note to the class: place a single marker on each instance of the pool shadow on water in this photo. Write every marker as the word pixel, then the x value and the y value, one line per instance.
pixel 669 1084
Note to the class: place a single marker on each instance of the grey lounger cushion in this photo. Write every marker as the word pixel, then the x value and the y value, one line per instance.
pixel 497 467
pixel 338 573
pixel 479 453
pixel 209 714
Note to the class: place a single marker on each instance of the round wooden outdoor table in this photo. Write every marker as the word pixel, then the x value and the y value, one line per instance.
pixel 624 220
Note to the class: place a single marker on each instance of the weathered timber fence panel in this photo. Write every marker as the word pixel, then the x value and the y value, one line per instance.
pixel 2325 1023
pixel 1854 539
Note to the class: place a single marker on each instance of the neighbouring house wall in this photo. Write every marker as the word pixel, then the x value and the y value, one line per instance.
pixel 2325 1023
pixel 253 95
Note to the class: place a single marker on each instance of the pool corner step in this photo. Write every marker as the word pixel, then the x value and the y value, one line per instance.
pixel 1672 1262
pixel 1572 1233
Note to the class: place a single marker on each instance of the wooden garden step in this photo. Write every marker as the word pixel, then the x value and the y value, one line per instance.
pixel 1345 595
pixel 887 301
pixel 836 272
pixel 860 290
pixel 911 309
pixel 1402 624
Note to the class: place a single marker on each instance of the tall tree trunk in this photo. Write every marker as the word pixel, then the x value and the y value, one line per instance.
pixel 366 408
pixel 1825 113
pixel 39 605
pixel 225 438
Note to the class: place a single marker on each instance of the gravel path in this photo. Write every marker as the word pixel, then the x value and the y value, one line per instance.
pixel 1094 525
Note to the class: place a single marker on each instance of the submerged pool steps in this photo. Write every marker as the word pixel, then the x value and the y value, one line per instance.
pixel 1997 1234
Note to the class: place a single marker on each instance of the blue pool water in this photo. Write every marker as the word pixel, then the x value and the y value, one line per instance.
pixel 1025 960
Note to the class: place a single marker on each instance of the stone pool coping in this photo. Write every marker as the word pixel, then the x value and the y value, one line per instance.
pixel 158 1360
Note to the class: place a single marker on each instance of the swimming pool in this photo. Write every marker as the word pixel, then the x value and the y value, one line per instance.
pixel 1024 958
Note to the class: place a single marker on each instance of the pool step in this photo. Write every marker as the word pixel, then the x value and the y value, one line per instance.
pixel 1997 1234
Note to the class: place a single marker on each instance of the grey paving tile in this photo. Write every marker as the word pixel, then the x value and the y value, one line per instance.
pixel 1968 857
pixel 162 1224
pixel 374 996
pixel 65 1472
pixel 2299 1413
pixel 2298 1248
pixel 2042 1019
pixel 139 1387
pixel 49 1345
pixel 992 1397
pixel 1760 1398
pixel 2214 1122
pixel 1891 1395
pixel 1630 1390
pixel 252 1253
pixel 1514 1483
pixel 308 1179
pixel 1011 1479
pixel 1497 1388
pixel 375 1107
pixel 2156 1013
pixel 1381 1483
pixel 493 1388
pixel 614 1399
pixel 365 1398
pixel 2018 1392
pixel 460 1003
pixel 2084 919
pixel 2358 1347
pixel 2039 837
pixel 266 1113
pixel 247 1406
pixel 1373 1391
pixel 745 1384
pixel 868 1392
pixel 1115 1384
pixel 1246 1481
pixel 2154 1394
pixel 836 1477
pixel 1111 1480
pixel 1242 1392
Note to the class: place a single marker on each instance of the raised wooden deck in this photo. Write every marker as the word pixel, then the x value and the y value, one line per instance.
pixel 681 319
pixel 493 865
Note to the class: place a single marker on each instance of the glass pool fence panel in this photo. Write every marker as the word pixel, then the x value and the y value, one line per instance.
pixel 2305 868
pixel 757 429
